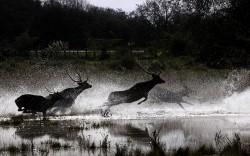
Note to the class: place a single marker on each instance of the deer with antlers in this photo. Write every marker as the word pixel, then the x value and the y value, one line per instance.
pixel 29 103
pixel 70 94
pixel 135 93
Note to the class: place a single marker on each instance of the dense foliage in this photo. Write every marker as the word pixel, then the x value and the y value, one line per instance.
pixel 216 33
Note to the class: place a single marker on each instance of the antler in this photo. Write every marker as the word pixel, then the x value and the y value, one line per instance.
pixel 151 73
pixel 87 79
pixel 49 90
pixel 79 77
pixel 143 68
pixel 73 79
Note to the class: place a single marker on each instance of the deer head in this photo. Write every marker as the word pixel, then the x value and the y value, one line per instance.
pixel 83 84
pixel 155 75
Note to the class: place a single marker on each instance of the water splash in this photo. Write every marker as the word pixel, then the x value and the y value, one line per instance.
pixel 234 88
pixel 237 81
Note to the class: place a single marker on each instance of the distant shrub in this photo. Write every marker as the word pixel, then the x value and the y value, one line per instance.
pixel 128 62
pixel 121 51
pixel 114 65
pixel 13 149
pixel 157 65
pixel 187 60
pixel 178 47
pixel 23 44
pixel 121 151
pixel 53 49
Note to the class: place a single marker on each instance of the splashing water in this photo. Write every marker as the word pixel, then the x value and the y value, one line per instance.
pixel 237 81
pixel 235 89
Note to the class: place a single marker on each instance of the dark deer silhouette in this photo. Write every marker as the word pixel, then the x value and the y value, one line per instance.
pixel 137 92
pixel 70 94
pixel 172 97
pixel 29 103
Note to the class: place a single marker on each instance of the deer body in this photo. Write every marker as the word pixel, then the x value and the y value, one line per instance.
pixel 69 95
pixel 172 97
pixel 29 103
pixel 137 92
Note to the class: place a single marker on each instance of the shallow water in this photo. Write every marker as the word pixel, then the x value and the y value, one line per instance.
pixel 77 131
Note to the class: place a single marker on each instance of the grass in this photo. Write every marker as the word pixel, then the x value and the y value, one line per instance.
pixel 102 124
pixel 223 147
pixel 15 148
pixel 12 149
pixel 105 143
pixel 24 147
pixel 121 151
pixel 57 145
pixel 76 128
pixel 13 121
pixel 233 147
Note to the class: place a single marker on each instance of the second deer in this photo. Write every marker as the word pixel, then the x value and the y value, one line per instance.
pixel 29 103
pixel 135 93
pixel 164 95
pixel 70 94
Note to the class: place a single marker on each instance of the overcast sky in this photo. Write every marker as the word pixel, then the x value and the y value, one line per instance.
pixel 126 5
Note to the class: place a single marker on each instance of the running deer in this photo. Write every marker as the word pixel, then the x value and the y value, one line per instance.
pixel 29 103
pixel 70 94
pixel 137 92
pixel 172 97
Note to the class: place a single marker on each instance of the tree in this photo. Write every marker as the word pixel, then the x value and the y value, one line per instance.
pixel 158 14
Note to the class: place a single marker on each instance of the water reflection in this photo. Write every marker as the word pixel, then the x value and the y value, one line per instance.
pixel 174 132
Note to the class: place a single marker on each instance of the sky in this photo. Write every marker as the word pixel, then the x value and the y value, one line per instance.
pixel 126 5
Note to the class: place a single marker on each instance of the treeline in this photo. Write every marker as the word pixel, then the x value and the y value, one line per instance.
pixel 212 32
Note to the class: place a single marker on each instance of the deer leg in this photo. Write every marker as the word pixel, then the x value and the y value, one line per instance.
pixel 146 97
pixel 20 109
pixel 55 110
pixel 188 103
pixel 33 112
pixel 106 111
pixel 44 114
pixel 181 105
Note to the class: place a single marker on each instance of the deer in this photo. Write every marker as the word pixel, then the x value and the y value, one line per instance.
pixel 135 93
pixel 69 95
pixel 29 103
pixel 172 97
